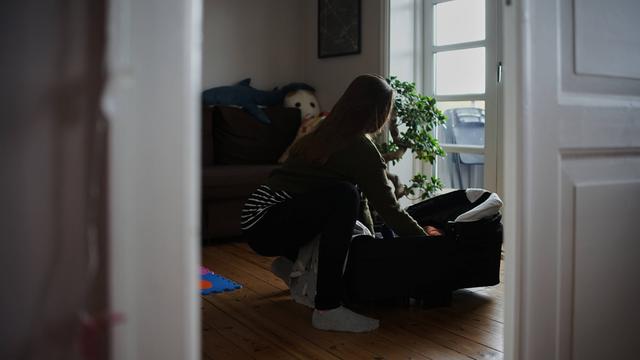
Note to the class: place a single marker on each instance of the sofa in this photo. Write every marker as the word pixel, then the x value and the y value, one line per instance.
pixel 238 153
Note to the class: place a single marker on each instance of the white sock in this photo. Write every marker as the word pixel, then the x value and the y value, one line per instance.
pixel 342 319
pixel 281 267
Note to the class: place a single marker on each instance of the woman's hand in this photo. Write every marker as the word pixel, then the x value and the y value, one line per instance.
pixel 432 231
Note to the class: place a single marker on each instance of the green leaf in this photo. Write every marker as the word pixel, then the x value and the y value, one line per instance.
pixel 419 117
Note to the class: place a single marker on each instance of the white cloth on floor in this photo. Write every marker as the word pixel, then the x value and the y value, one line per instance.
pixel 304 273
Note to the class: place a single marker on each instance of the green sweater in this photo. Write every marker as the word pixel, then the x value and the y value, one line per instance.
pixel 359 163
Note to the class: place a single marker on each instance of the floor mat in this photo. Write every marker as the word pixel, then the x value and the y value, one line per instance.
pixel 211 283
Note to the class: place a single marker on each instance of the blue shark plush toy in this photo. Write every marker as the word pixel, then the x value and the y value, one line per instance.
pixel 243 95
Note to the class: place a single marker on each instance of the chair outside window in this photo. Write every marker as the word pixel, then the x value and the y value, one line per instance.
pixel 464 126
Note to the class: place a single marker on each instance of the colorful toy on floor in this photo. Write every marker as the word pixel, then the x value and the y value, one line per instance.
pixel 205 271
pixel 211 283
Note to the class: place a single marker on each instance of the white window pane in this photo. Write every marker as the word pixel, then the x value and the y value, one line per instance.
pixel 446 105
pixel 459 21
pixel 460 71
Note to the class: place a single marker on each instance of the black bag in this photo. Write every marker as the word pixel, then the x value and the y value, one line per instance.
pixel 427 269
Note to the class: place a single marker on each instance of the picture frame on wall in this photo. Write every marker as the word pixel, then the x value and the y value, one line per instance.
pixel 339 28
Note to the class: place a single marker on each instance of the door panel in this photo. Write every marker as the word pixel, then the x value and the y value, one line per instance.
pixel 580 173
pixel 605 262
pixel 598 254
pixel 594 47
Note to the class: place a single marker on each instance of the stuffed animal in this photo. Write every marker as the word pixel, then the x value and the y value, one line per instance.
pixel 310 115
pixel 305 100
pixel 248 98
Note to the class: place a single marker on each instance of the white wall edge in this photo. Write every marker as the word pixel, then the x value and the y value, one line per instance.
pixel 512 175
pixel 152 105
pixel 385 31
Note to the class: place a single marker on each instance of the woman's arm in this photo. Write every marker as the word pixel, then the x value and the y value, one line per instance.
pixel 370 175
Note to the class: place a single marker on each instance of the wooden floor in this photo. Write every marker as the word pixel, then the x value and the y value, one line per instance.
pixel 260 321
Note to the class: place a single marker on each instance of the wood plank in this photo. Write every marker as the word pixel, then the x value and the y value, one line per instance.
pixel 216 346
pixel 459 325
pixel 419 344
pixel 468 302
pixel 470 329
pixel 473 342
pixel 262 312
pixel 483 323
pixel 258 308
pixel 424 346
pixel 248 343
pixel 369 342
pixel 274 331
pixel 245 252
pixel 445 338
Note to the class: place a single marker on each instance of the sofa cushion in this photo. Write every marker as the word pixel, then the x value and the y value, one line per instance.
pixel 239 138
pixel 233 181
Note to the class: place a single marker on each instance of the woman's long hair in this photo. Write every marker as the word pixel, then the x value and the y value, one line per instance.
pixel 363 109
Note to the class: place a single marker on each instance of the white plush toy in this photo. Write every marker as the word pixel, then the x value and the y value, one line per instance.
pixel 310 115
pixel 304 100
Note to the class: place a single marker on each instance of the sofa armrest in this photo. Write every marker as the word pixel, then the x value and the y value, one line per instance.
pixel 233 181
pixel 224 191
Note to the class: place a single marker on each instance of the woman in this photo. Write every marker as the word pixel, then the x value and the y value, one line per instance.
pixel 314 193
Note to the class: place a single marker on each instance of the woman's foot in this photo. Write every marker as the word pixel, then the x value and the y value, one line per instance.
pixel 342 319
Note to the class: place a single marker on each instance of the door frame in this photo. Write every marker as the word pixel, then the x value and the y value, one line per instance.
pixel 132 114
pixel 510 176
pixel 152 106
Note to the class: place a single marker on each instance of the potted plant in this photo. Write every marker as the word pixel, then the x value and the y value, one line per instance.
pixel 419 116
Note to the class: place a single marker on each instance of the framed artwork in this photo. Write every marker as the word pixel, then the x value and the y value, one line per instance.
pixel 339 27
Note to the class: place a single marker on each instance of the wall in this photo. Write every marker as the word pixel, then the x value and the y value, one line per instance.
pixel 331 76
pixel 251 38
pixel 275 42
pixel 403 52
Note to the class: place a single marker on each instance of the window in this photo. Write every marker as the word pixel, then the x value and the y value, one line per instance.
pixel 460 64
pixel 450 49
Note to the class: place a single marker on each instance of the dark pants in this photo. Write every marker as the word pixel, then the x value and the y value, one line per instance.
pixel 330 212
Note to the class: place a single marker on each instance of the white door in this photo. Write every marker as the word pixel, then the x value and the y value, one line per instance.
pixel 573 148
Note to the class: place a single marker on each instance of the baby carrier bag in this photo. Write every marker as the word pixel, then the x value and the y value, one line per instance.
pixel 389 268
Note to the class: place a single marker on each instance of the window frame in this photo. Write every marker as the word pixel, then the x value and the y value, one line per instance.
pixel 492 96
